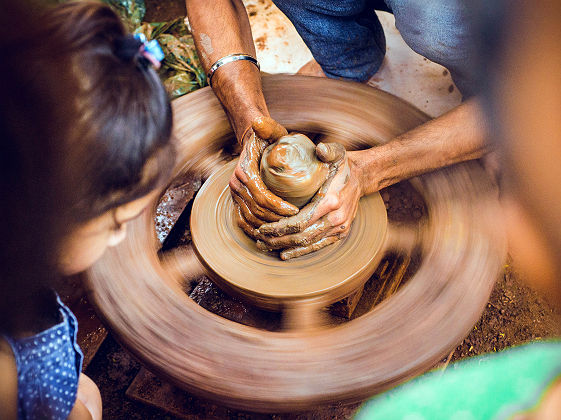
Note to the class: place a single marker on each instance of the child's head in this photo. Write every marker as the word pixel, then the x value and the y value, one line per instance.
pixel 119 149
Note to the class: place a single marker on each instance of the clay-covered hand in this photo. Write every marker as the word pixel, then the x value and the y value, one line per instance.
pixel 327 217
pixel 255 203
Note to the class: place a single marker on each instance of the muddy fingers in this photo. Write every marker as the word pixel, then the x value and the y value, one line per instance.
pixel 307 215
pixel 330 152
pixel 245 226
pixel 321 203
pixel 249 165
pixel 303 250
pixel 244 211
pixel 243 193
pixel 268 129
pixel 307 237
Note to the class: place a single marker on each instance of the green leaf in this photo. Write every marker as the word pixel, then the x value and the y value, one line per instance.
pixel 182 56
pixel 180 84
pixel 131 11
pixel 181 69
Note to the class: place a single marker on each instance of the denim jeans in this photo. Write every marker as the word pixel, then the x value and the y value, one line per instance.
pixel 347 39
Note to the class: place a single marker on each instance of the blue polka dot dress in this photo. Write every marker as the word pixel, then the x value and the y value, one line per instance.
pixel 48 366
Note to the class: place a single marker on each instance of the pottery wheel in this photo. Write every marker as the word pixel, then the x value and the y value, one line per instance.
pixel 140 294
pixel 237 265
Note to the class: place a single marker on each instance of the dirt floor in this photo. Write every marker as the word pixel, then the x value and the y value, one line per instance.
pixel 515 314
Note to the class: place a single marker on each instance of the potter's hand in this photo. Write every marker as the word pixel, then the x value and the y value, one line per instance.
pixel 255 204
pixel 327 217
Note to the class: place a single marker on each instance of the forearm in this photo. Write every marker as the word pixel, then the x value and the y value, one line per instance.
pixel 220 28
pixel 79 412
pixel 456 136
pixel 88 404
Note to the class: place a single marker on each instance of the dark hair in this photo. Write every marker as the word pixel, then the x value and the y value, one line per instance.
pixel 84 127
pixel 34 114
pixel 121 137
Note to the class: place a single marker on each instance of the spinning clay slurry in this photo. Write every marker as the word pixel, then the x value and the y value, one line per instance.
pixel 291 169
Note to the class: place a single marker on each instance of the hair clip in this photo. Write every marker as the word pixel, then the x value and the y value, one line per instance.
pixel 151 50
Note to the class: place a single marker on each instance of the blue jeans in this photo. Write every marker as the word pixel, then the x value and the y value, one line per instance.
pixel 347 39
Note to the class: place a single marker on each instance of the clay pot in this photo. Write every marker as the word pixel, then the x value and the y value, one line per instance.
pixel 291 169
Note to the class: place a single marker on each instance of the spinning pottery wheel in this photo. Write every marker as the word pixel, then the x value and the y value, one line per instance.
pixel 316 279
pixel 141 298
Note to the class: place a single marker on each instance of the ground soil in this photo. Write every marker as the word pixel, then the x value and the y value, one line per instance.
pixel 515 314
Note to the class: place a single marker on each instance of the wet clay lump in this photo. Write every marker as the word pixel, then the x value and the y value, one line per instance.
pixel 291 169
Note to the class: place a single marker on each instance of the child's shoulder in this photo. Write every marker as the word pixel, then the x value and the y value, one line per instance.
pixel 8 382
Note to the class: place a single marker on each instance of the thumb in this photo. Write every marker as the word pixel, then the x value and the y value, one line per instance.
pixel 330 152
pixel 268 129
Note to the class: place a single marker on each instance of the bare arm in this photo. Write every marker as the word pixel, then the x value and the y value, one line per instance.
pixel 88 401
pixel 79 412
pixel 221 27
pixel 8 383
pixel 456 136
